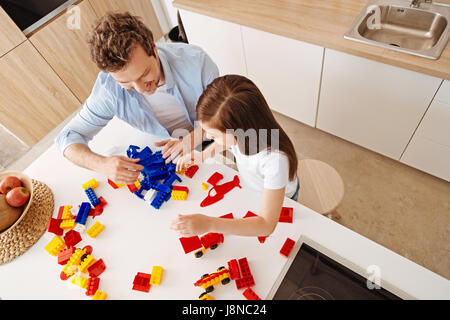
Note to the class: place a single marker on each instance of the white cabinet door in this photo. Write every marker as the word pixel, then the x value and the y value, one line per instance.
pixel 286 71
pixel 429 149
pixel 220 39
pixel 372 104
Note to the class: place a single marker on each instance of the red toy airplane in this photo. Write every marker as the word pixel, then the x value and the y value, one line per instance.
pixel 220 190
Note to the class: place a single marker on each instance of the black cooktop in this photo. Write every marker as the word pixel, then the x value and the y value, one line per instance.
pixel 315 276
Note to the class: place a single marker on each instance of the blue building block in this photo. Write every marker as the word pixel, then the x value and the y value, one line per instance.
pixel 83 213
pixel 92 197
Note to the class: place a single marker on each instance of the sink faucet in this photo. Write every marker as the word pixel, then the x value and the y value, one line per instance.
pixel 416 3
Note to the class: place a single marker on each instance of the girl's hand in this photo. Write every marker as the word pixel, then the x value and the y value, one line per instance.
pixel 171 148
pixel 185 161
pixel 191 225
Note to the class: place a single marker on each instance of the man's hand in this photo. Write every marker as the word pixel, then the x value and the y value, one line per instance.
pixel 171 148
pixel 121 169
pixel 191 225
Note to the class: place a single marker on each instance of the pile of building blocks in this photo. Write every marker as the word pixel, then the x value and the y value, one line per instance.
pixel 157 175
pixel 210 240
pixel 78 264
pixel 240 272
pixel 143 281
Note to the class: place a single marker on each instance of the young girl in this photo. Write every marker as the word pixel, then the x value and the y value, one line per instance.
pixel 232 111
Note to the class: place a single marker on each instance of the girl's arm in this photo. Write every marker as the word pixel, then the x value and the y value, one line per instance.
pixel 262 225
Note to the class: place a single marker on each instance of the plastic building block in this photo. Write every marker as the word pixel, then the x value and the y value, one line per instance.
pixel 80 228
pixel 244 267
pixel 67 214
pixel 227 216
pixel 88 249
pixel 181 172
pixel 205 186
pixel 72 238
pixel 53 226
pixel 250 294
pixel 95 229
pixel 71 266
pixel 220 190
pixel 83 213
pixel 208 281
pixel 142 282
pixel 205 296
pixel 156 277
pixel 245 282
pixel 191 171
pixel 234 269
pixel 60 212
pixel 287 247
pixel 98 209
pixel 92 286
pixel 65 254
pixel 286 215
pixel 55 246
pixel 67 224
pixel 87 262
pixel 216 177
pixel 80 281
pixel 179 193
pixel 99 295
pixel 211 239
pixel 190 243
pixel 115 185
pixel 97 268
pixel 90 184
pixel 250 214
pixel 132 188
pixel 262 239
pixel 92 197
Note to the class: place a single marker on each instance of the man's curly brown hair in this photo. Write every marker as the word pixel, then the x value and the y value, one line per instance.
pixel 114 37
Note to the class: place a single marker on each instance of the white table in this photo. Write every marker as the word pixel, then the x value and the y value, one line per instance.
pixel 137 237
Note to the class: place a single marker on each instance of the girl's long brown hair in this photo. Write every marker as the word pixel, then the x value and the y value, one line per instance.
pixel 234 102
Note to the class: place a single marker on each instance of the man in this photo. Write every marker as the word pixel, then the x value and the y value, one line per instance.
pixel 154 88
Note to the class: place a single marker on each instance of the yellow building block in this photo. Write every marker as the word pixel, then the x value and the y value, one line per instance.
pixel 90 184
pixel 95 229
pixel 181 172
pixel 75 260
pixel 156 275
pixel 67 224
pixel 80 281
pixel 205 186
pixel 86 263
pixel 55 246
pixel 67 214
pixel 179 195
pixel 137 184
pixel 99 295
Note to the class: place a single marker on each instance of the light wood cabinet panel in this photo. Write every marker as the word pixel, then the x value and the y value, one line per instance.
pixel 141 8
pixel 67 51
pixel 33 98
pixel 221 40
pixel 372 104
pixel 10 34
pixel 286 71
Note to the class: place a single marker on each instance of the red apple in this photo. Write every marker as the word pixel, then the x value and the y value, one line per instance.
pixel 9 183
pixel 17 197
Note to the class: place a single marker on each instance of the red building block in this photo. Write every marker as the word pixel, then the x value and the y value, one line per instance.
pixel 210 239
pixel 53 226
pixel 97 268
pixel 180 188
pixel 191 171
pixel 262 239
pixel 92 286
pixel 286 215
pixel 250 294
pixel 142 282
pixel 250 214
pixel 244 267
pixel 234 269
pixel 72 237
pixel 245 282
pixel 88 249
pixel 112 184
pixel 190 243
pixel 216 177
pixel 227 216
pixel 132 188
pixel 65 254
pixel 60 212
pixel 287 247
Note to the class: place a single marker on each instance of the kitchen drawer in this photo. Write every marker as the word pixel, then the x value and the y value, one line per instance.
pixel 444 92
pixel 428 156
pixel 435 125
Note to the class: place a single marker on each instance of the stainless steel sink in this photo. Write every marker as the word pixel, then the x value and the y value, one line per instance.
pixel 415 27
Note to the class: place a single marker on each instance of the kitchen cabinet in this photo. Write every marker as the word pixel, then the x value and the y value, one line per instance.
pixel 33 98
pixel 429 149
pixel 10 34
pixel 220 39
pixel 286 71
pixel 67 51
pixel 372 104
pixel 141 8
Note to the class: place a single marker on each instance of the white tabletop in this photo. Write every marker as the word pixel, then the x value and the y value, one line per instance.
pixel 137 237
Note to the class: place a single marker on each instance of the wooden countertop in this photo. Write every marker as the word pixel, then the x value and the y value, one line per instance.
pixel 317 22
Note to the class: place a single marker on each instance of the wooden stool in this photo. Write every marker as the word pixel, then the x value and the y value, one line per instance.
pixel 321 187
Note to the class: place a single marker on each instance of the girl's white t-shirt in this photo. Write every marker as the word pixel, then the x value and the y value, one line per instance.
pixel 265 170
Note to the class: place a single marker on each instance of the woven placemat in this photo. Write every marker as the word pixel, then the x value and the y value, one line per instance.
pixel 20 238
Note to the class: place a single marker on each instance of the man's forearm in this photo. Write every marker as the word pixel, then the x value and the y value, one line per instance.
pixel 82 156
